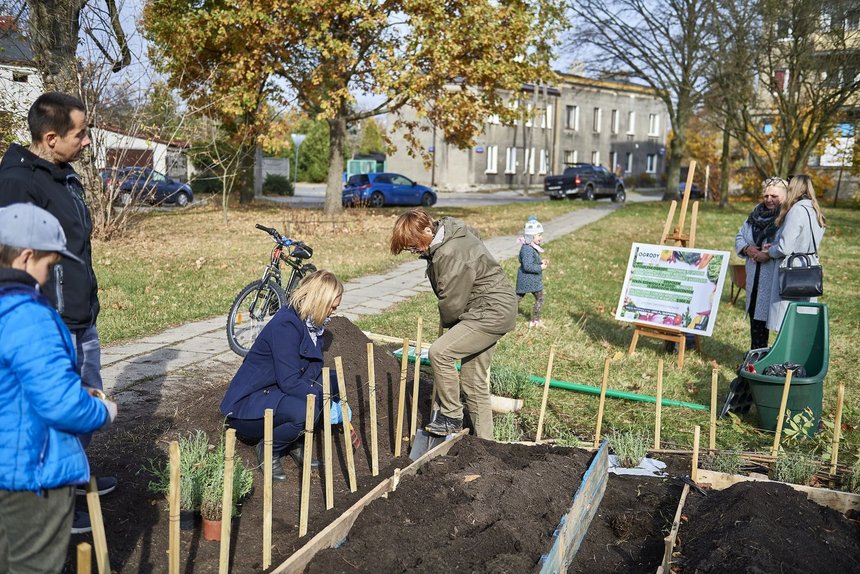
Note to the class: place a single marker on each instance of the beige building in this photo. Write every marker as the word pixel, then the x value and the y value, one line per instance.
pixel 619 125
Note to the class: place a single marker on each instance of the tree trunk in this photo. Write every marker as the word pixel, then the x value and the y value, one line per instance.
pixel 676 154
pixel 724 169
pixel 245 172
pixel 54 28
pixel 334 183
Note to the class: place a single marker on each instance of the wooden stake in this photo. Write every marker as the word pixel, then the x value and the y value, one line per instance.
pixel 85 558
pixel 401 400
pixel 227 501
pixel 779 421
pixel 173 499
pixel 837 427
pixel 95 508
pixel 712 438
pixel 659 404
pixel 268 423
pixel 602 403
pixel 374 438
pixel 306 466
pixel 694 472
pixel 347 426
pixel 326 415
pixel 415 379
pixel 545 393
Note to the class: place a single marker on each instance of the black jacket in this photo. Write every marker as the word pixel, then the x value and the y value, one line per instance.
pixel 26 178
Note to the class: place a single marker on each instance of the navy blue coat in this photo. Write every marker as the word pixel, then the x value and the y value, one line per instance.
pixel 285 364
pixel 530 274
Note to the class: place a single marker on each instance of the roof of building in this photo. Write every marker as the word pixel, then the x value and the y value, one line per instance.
pixel 14 46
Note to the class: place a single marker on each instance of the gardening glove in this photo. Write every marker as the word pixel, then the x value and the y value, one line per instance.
pixel 111 409
pixel 336 415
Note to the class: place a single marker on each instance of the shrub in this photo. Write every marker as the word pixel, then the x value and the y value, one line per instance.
pixel 629 446
pixel 278 185
pixel 794 468
pixel 506 428
pixel 206 186
pixel 508 382
pixel 728 462
pixel 853 478
pixel 213 483
pixel 193 451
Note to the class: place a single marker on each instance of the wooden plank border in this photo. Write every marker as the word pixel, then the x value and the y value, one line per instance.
pixel 574 524
pixel 336 532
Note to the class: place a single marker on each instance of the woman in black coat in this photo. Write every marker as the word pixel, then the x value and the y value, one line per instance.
pixel 283 366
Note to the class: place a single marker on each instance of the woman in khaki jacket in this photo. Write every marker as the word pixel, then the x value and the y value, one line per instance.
pixel 477 304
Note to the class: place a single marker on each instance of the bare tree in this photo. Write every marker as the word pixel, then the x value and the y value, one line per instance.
pixel 804 58
pixel 663 43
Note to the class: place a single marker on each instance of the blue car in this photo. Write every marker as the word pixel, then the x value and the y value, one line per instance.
pixel 378 189
pixel 144 184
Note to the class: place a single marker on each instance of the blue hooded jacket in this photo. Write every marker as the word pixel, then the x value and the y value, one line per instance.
pixel 42 403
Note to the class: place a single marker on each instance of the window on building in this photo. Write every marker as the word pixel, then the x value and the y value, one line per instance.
pixel 613 160
pixel 570 156
pixel 651 163
pixel 614 126
pixel 492 159
pixel 571 120
pixel 597 120
pixel 544 162
pixel 529 162
pixel 547 117
pixel 631 122
pixel 493 119
pixel 779 80
pixel 595 157
pixel 529 115
pixel 653 124
pixel 511 160
pixel 629 162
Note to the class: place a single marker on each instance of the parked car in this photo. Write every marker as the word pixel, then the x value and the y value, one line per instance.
pixel 585 180
pixel 144 184
pixel 695 190
pixel 378 189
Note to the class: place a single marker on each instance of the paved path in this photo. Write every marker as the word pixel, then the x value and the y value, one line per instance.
pixel 201 342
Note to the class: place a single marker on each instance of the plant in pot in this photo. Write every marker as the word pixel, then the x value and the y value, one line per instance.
pixel 212 493
pixel 193 450
pixel 509 388
pixel 630 447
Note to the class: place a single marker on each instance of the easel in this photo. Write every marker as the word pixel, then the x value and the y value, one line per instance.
pixel 678 237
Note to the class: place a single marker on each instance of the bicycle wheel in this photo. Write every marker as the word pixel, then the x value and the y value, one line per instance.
pixel 253 307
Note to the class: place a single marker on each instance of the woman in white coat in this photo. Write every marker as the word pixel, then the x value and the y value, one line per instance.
pixel 801 228
pixel 760 229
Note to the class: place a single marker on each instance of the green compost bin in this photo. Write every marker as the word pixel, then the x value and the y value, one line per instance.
pixel 803 339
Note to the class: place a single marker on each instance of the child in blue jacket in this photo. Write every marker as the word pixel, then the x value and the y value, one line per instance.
pixel 43 406
pixel 530 273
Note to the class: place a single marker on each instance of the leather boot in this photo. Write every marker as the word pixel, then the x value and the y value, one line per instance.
pixel 297 453
pixel 277 470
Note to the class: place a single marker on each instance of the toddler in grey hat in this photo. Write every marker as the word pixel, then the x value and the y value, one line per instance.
pixel 27 226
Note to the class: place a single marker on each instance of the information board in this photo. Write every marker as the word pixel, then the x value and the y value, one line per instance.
pixel 673 287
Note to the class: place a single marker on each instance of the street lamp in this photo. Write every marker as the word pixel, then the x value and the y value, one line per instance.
pixel 297 141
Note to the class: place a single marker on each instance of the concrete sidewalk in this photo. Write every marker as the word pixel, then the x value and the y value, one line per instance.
pixel 202 342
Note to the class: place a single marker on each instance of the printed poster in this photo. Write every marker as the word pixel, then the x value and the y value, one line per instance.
pixel 673 287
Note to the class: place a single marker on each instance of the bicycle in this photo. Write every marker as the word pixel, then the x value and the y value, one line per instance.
pixel 257 303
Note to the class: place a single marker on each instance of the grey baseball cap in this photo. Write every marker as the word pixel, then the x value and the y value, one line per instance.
pixel 27 226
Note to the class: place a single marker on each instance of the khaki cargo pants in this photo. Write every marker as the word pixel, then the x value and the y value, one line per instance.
pixel 474 348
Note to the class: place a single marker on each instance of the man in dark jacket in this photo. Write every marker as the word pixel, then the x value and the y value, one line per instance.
pixel 42 175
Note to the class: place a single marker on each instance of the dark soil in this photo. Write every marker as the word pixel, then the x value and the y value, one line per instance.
pixel 483 507
pixel 766 527
pixel 160 410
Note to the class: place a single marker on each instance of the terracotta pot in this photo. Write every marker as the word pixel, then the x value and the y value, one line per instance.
pixel 211 530
pixel 505 404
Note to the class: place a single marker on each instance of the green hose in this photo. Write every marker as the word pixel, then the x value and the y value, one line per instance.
pixel 615 394
pixel 588 389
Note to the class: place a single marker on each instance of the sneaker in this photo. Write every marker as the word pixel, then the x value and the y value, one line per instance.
pixel 277 470
pixel 443 426
pixel 297 453
pixel 104 484
pixel 81 523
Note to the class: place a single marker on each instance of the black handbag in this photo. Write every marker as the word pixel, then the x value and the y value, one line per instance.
pixel 803 280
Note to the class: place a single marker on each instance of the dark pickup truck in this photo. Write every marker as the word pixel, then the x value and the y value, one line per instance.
pixel 587 181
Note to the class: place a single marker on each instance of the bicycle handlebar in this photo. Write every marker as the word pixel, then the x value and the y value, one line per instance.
pixel 281 239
